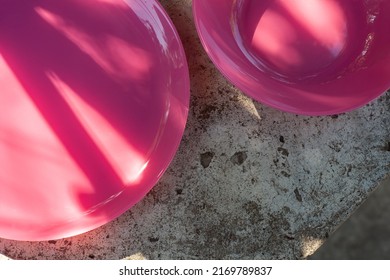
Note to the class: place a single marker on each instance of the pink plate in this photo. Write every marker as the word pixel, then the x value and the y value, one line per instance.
pixel 94 99
pixel 312 57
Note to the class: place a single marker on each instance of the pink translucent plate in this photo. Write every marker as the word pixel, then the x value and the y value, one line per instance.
pixel 94 99
pixel 312 57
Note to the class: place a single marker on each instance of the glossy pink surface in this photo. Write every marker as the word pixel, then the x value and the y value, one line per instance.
pixel 94 99
pixel 314 57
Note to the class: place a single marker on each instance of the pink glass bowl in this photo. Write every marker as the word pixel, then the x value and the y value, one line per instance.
pixel 316 57
pixel 94 99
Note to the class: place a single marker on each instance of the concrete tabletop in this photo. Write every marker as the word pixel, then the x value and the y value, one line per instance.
pixel 248 181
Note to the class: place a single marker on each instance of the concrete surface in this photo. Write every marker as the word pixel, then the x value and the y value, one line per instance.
pixel 248 182
pixel 366 235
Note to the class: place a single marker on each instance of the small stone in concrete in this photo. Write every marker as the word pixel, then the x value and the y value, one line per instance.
pixel 179 191
pixel 205 159
pixel 153 239
pixel 283 151
pixel 239 158
pixel 298 195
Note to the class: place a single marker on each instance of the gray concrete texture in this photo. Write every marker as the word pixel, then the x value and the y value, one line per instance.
pixel 248 181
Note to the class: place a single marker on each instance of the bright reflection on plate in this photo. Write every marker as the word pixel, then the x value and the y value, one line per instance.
pixel 312 57
pixel 94 101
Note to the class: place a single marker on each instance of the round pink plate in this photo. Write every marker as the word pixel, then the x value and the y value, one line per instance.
pixel 94 98
pixel 311 57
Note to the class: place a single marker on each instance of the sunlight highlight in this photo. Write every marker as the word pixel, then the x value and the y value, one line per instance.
pixel 115 56
pixel 119 3
pixel 298 34
pixel 136 256
pixel 324 20
pixel 31 157
pixel 123 158
pixel 274 35
pixel 147 12
pixel 310 245
pixel 21 125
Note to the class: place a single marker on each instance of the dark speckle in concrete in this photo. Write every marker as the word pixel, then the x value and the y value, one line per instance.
pixel 153 239
pixel 207 111
pixel 289 236
pixel 254 211
pixel 239 158
pixel 281 139
pixel 52 241
pixel 283 151
pixel 336 146
pixel 179 191
pixel 298 195
pixel 205 159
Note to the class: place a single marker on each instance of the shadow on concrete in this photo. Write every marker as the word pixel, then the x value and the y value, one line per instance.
pixel 365 235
